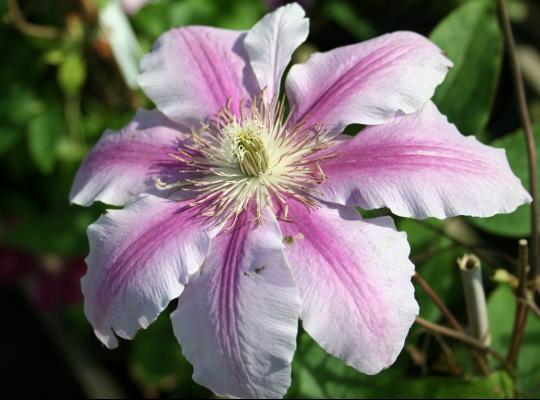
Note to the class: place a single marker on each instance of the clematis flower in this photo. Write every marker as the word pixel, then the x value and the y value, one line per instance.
pixel 247 213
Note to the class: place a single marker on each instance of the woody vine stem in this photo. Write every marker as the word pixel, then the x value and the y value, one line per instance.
pixel 521 312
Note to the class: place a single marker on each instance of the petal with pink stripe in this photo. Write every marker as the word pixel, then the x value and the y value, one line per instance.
pixel 237 319
pixel 367 83
pixel 420 166
pixel 354 280
pixel 123 164
pixel 140 259
pixel 193 72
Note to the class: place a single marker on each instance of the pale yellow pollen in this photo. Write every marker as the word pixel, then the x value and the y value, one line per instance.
pixel 247 147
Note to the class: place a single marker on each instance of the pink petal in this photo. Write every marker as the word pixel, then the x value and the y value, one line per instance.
pixel 132 7
pixel 354 279
pixel 367 83
pixel 419 166
pixel 237 319
pixel 140 258
pixel 271 43
pixel 193 72
pixel 125 163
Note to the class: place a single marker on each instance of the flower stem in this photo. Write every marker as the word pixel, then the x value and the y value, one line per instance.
pixel 531 148
pixel 483 255
pixel 522 308
pixel 19 22
pixel 438 302
pixel 464 338
pixel 475 298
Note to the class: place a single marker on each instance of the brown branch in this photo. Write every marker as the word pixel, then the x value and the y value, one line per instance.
pixel 456 369
pixel 520 319
pixel 19 22
pixel 529 136
pixel 438 302
pixel 90 11
pixel 481 361
pixel 432 252
pixel 464 338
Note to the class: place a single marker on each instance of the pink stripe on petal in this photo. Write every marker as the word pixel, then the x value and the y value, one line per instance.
pixel 237 319
pixel 419 166
pixel 123 164
pixel 367 83
pixel 193 72
pixel 354 280
pixel 140 259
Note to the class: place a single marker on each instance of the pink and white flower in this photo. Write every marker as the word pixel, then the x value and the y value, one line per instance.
pixel 247 213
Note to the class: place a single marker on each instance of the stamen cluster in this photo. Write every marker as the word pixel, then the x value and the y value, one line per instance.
pixel 251 161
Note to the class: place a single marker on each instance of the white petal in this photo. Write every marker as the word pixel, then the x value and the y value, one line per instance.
pixel 237 319
pixel 271 43
pixel 354 280
pixel 140 259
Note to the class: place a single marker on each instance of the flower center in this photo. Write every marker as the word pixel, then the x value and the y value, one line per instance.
pixel 247 146
pixel 251 161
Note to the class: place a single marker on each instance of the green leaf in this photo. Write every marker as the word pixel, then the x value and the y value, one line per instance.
pixel 72 73
pixel 516 224
pixel 241 14
pixel 497 385
pixel 42 135
pixel 68 149
pixel 62 232
pixel 155 354
pixel 159 16
pixel 8 137
pixel 18 105
pixel 501 312
pixel 439 271
pixel 54 57
pixel 344 14
pixel 101 3
pixel 318 375
pixel 472 39
pixel 157 363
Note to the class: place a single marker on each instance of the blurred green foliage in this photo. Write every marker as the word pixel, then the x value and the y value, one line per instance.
pixel 437 268
pixel 518 223
pixel 501 309
pixel 317 375
pixel 472 39
pixel 60 92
